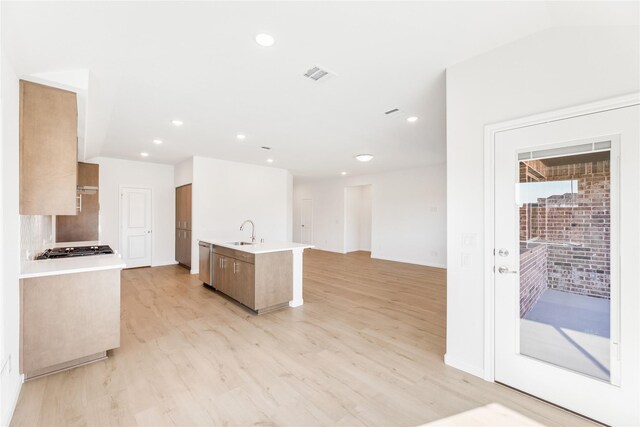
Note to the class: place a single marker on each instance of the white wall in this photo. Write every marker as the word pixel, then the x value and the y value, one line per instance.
pixel 550 70
pixel 227 193
pixel 160 178
pixel 183 173
pixel 357 214
pixel 10 379
pixel 408 217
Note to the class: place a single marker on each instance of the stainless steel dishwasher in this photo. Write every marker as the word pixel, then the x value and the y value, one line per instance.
pixel 205 257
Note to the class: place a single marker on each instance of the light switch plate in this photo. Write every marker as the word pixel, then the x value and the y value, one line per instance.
pixel 469 240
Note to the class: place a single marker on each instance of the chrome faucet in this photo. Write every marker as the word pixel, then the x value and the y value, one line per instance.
pixel 253 229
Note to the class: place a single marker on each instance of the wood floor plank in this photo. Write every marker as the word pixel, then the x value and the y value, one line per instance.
pixel 366 348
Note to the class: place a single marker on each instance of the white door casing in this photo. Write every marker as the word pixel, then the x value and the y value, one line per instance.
pixel 135 226
pixel 306 221
pixel 613 402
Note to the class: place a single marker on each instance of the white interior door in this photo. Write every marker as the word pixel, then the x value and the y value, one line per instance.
pixel 567 299
pixel 135 226
pixel 306 231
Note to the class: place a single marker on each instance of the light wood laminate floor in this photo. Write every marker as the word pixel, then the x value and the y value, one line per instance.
pixel 365 349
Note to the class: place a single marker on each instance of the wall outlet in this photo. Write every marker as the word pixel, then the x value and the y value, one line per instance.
pixel 433 209
pixel 465 261
pixel 434 253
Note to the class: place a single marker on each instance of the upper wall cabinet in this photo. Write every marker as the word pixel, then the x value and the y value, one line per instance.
pixel 48 150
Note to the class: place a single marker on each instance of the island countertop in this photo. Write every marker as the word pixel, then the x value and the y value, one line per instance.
pixel 257 248
pixel 53 267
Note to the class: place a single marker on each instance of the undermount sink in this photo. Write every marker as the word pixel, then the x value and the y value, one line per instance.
pixel 240 243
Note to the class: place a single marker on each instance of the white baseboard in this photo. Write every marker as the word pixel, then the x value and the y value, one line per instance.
pixel 463 366
pixel 160 264
pixel 410 261
pixel 328 250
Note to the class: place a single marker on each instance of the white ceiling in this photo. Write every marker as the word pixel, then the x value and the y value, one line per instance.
pixel 151 62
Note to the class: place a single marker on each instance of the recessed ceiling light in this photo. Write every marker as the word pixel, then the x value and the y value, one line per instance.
pixel 240 136
pixel 412 119
pixel 265 40
pixel 269 160
pixel 343 173
pixel 177 122
pixel 157 141
pixel 143 154
pixel 364 157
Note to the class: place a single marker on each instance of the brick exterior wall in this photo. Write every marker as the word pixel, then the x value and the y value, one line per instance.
pixel 533 275
pixel 583 219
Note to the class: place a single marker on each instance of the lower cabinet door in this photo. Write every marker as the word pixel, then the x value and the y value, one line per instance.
pixel 244 276
pixel 218 273
pixel 178 246
pixel 187 248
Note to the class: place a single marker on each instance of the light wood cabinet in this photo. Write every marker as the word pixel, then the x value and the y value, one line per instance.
pixel 262 282
pixel 48 150
pixel 68 319
pixel 183 247
pixel 183 225
pixel 220 282
pixel 183 207
pixel 83 226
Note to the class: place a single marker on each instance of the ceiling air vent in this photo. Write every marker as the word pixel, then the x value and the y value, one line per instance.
pixel 395 110
pixel 316 73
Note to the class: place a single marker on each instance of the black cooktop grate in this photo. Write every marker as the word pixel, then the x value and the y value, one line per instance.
pixel 75 252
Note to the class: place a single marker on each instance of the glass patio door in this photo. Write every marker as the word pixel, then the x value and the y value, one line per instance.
pixel 566 263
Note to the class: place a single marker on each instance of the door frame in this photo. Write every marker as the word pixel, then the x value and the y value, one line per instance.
pixel 138 187
pixel 490 132
pixel 302 217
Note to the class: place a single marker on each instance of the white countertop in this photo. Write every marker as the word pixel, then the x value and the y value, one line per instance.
pixel 53 267
pixel 257 248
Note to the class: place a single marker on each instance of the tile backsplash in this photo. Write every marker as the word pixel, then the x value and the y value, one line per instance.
pixel 36 235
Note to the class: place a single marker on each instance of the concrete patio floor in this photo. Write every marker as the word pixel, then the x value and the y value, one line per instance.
pixel 569 330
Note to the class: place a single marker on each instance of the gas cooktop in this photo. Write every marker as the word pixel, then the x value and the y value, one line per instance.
pixel 75 251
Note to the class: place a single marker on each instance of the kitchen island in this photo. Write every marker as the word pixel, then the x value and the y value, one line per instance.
pixel 69 311
pixel 261 276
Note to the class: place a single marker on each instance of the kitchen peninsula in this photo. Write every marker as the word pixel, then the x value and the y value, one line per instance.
pixel 70 310
pixel 261 276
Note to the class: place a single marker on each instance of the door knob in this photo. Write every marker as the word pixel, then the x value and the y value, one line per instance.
pixel 503 252
pixel 505 270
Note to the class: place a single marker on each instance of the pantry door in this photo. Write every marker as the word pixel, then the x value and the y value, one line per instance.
pixel 567 264
pixel 135 226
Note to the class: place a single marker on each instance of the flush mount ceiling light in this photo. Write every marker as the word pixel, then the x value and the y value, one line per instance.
pixel 412 119
pixel 143 154
pixel 157 141
pixel 269 160
pixel 240 136
pixel 343 173
pixel 265 40
pixel 364 157
pixel 177 122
